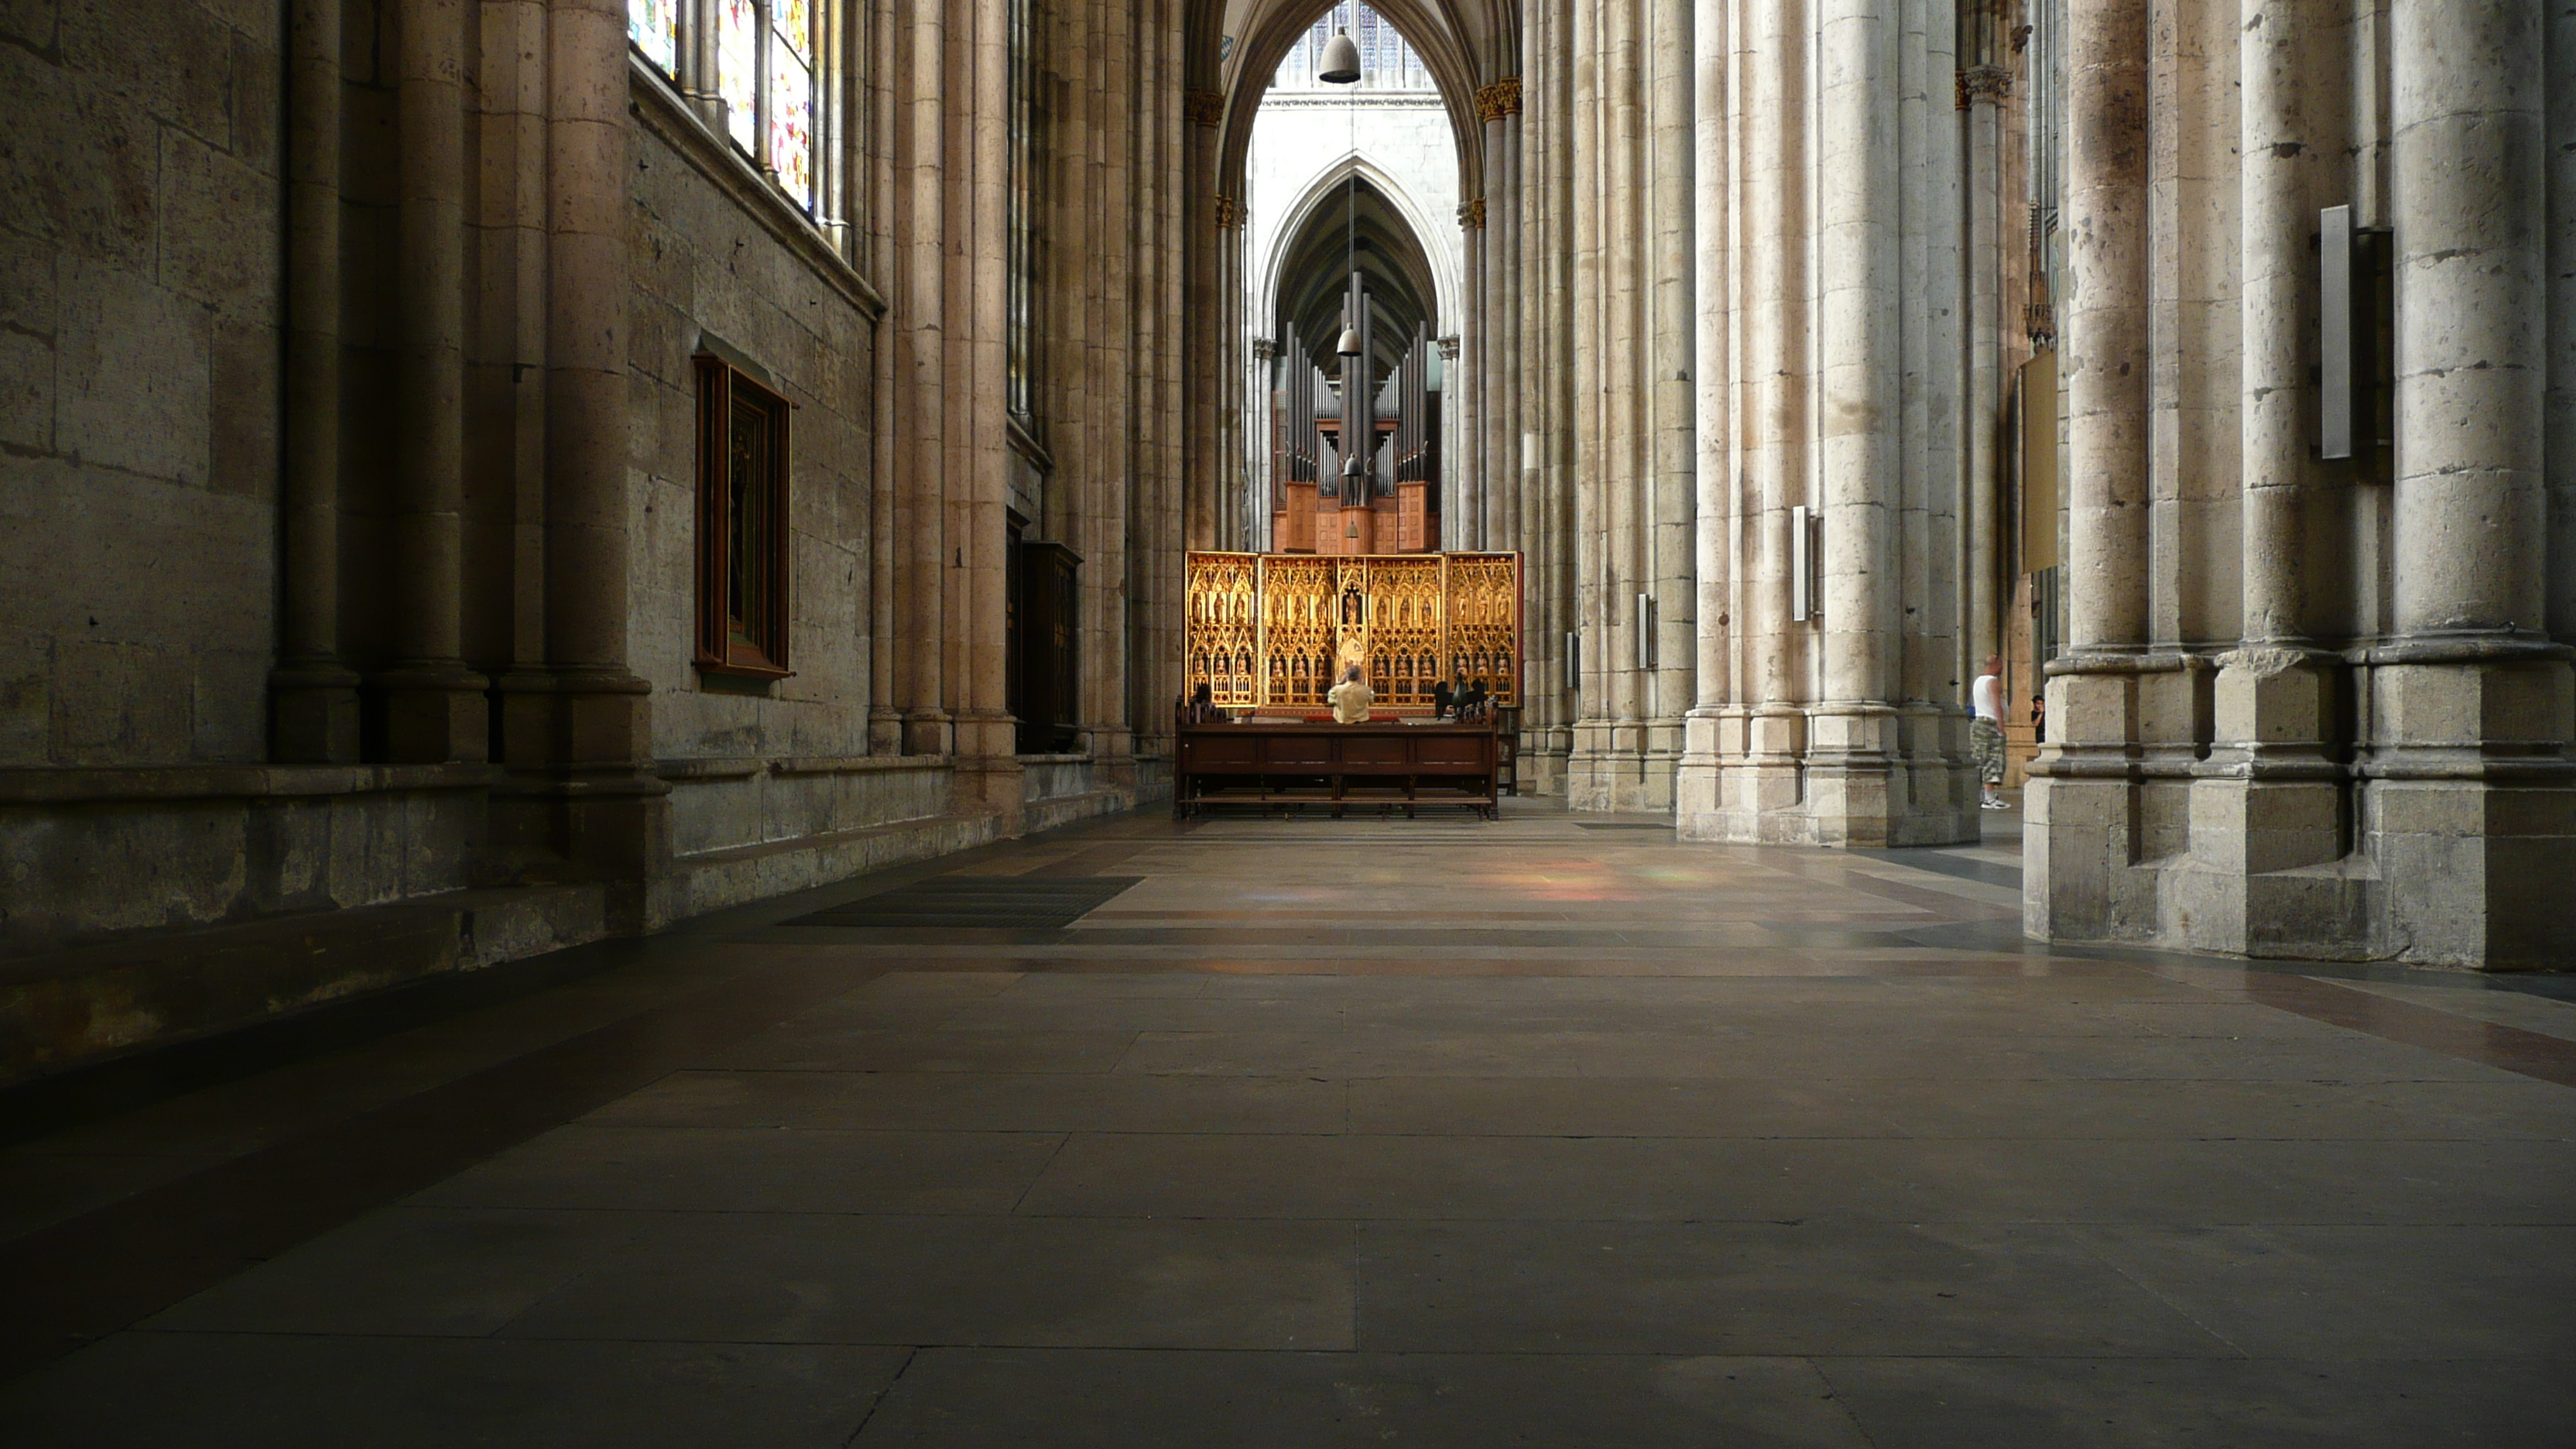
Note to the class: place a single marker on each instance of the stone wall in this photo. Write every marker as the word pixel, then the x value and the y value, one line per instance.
pixel 139 308
pixel 710 274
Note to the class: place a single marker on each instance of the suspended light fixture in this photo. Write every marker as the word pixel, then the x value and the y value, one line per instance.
pixel 1341 60
pixel 1342 68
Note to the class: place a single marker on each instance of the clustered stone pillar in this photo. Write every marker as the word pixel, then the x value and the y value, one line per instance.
pixel 2269 802
pixel 432 707
pixel 988 767
pixel 2470 803
pixel 2082 798
pixel 582 734
pixel 313 695
pixel 1853 743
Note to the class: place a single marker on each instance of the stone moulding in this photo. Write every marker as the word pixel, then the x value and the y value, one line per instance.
pixel 659 109
pixel 60 784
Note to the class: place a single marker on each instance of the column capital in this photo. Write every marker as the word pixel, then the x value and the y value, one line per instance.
pixel 1987 83
pixel 1203 108
pixel 1449 347
pixel 1264 348
pixel 1229 213
pixel 1471 214
pixel 1500 99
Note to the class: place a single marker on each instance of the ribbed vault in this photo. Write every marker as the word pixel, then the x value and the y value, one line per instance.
pixel 1463 42
pixel 1315 269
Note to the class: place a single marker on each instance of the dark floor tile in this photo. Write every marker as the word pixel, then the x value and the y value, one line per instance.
pixel 1617 1107
pixel 1949 1403
pixel 822 1045
pixel 2504 1109
pixel 983 1102
pixel 2341 1293
pixel 755 1169
pixel 2187 1181
pixel 967 1399
pixel 415 1271
pixel 1423 1178
pixel 258 1391
pixel 753 1277
pixel 1754 1288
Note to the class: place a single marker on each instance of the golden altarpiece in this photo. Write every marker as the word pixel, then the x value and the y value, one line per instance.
pixel 1272 631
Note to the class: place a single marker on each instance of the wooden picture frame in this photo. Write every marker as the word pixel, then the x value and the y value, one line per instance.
pixel 743 536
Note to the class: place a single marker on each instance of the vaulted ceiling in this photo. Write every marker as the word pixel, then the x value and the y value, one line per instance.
pixel 1465 43
pixel 1315 271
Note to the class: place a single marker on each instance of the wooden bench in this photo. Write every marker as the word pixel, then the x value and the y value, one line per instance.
pixel 1383 762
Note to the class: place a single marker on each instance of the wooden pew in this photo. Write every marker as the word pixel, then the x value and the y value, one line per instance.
pixel 1273 762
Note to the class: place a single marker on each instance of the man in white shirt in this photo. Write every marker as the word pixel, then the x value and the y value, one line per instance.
pixel 1351 698
pixel 1986 731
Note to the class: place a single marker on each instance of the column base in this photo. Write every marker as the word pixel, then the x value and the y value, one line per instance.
pixel 927 732
pixel 580 801
pixel 433 712
pixel 989 778
pixel 313 713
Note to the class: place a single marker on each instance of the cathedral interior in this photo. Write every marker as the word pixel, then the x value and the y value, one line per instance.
pixel 675 764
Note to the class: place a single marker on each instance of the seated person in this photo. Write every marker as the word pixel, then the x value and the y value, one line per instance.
pixel 1443 699
pixel 1202 708
pixel 1351 698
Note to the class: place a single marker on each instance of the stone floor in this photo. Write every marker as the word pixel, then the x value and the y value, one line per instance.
pixel 1545 1132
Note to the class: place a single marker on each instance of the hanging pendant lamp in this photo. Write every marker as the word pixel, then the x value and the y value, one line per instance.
pixel 1341 61
pixel 1349 346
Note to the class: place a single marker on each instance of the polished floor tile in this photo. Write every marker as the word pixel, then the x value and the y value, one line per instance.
pixel 1370 1132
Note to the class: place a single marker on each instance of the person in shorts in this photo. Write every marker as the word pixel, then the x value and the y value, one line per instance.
pixel 1986 731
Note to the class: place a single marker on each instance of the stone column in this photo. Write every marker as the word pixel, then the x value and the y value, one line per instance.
pixel 1696 780
pixel 2471 814
pixel 1203 316
pixel 2561 425
pixel 1762 787
pixel 433 707
pixel 1852 740
pixel 1667 553
pixel 1497 511
pixel 989 775
pixel 2270 799
pixel 1943 764
pixel 313 696
pixel 921 509
pixel 1464 522
pixel 886 536
pixel 1504 219
pixel 2076 883
pixel 579 737
pixel 1981 90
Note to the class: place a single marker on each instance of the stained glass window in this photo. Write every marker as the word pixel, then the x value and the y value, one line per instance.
pixel 738 70
pixel 654 27
pixel 791 98
pixel 1387 63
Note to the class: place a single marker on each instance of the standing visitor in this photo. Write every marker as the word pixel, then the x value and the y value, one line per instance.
pixel 1986 731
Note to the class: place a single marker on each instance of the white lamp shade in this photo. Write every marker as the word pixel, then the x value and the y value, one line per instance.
pixel 1341 61
pixel 1349 346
